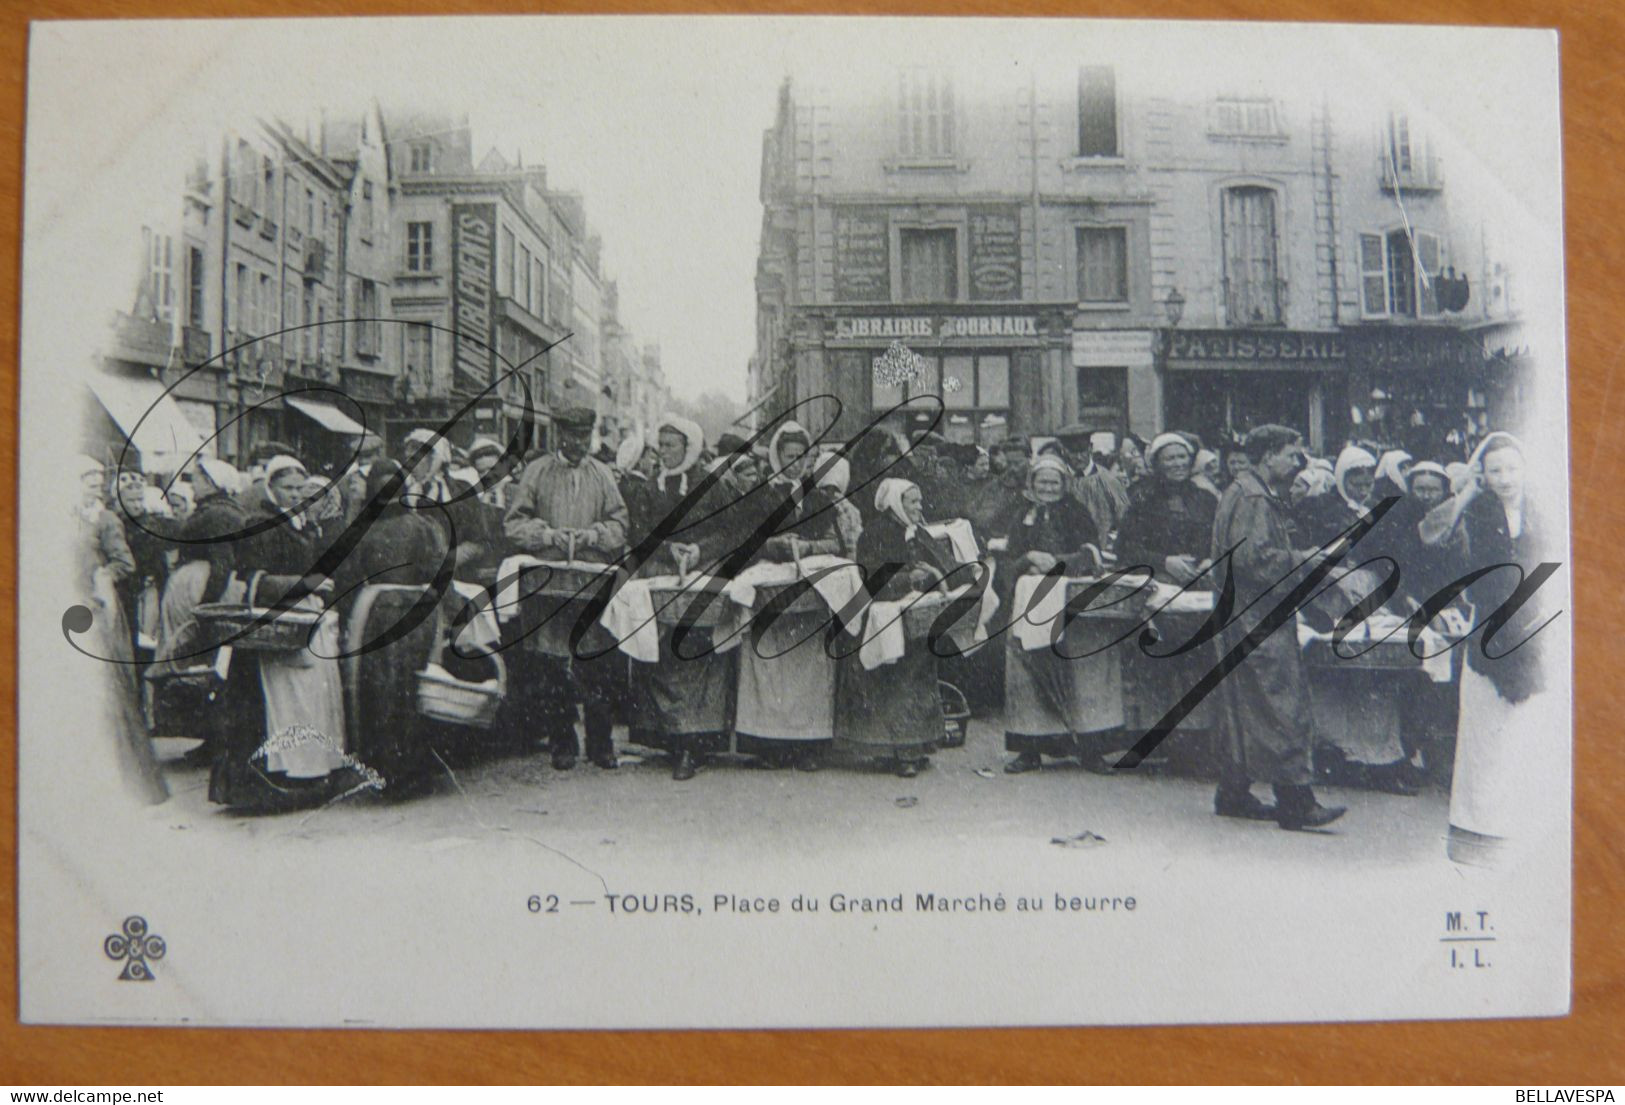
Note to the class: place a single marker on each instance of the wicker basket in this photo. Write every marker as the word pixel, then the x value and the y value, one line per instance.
pixel 443 697
pixel 1117 601
pixel 1393 655
pixel 807 602
pixel 223 623
pixel 673 605
pixel 921 615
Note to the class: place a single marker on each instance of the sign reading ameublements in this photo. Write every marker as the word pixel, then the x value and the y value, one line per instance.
pixel 862 256
pixel 995 253
pixel 473 273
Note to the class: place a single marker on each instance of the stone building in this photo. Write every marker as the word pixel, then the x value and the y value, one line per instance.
pixel 1072 246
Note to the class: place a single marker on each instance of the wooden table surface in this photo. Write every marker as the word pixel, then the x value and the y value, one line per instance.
pixel 1587 1047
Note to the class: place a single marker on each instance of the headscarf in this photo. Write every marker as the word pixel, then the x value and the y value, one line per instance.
pixel 1348 460
pixel 184 490
pixel 1500 439
pixel 1044 462
pixel 1162 441
pixel 889 500
pixel 221 474
pixel 629 452
pixel 1388 467
pixel 441 449
pixel 788 428
pixel 482 445
pixel 835 473
pixel 1320 462
pixel 282 463
pixel 1199 476
pixel 1318 480
pixel 1429 468
pixel 693 445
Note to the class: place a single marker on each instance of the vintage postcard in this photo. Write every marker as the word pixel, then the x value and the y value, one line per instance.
pixel 749 522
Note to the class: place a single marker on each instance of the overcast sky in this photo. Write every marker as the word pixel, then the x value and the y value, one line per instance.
pixel 658 122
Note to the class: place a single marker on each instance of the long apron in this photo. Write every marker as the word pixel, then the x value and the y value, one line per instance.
pixel 788 698
pixel 1050 699
pixel 893 711
pixel 688 696
pixel 1508 771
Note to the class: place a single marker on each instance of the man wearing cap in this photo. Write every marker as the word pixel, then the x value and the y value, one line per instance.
pixel 1103 493
pixel 567 505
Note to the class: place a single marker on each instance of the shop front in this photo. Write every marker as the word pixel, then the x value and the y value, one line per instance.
pixel 994 373
pixel 1221 383
pixel 1432 390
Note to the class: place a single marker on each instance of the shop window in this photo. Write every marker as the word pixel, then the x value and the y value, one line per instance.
pixel 1102 264
pixel 925 113
pixel 1097 112
pixel 1399 273
pixel 419 247
pixel 974 389
pixel 1252 284
pixel 930 265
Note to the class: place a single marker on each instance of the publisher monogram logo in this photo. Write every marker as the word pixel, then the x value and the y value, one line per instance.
pixel 135 945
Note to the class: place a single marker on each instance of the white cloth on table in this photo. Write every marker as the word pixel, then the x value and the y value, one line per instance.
pixel 884 640
pixel 630 619
pixel 1166 598
pixel 1032 629
pixel 628 616
pixel 837 580
pixel 960 537
pixel 481 634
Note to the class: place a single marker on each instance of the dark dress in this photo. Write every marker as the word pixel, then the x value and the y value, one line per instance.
pixel 786 699
pixel 1166 519
pixel 685 702
pixel 382 584
pixel 1050 699
pixel 893 711
pixel 241 777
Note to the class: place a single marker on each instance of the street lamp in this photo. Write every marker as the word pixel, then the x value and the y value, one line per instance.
pixel 1174 306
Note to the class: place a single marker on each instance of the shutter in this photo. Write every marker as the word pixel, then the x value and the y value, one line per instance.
pixel 1373 276
pixel 1429 265
pixel 1268 287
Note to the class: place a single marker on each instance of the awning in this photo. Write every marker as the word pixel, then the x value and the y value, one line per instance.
pixel 151 419
pixel 325 415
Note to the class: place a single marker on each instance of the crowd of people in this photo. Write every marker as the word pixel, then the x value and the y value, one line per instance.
pixel 397 563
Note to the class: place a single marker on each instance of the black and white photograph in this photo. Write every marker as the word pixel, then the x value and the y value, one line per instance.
pixel 594 522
